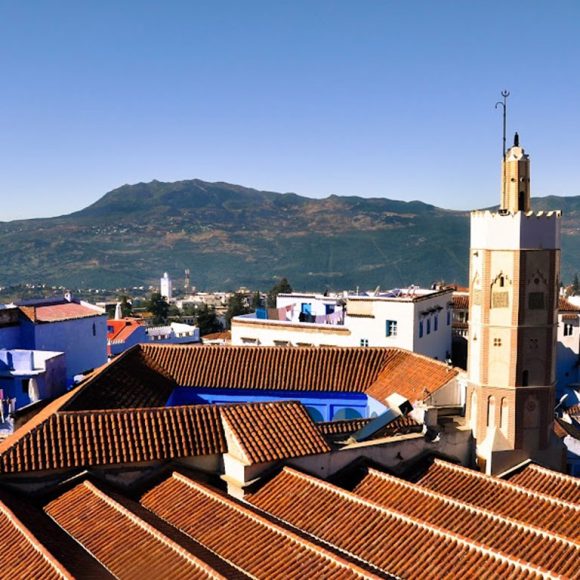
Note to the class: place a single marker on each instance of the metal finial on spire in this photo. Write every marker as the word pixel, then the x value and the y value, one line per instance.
pixel 516 140
pixel 503 105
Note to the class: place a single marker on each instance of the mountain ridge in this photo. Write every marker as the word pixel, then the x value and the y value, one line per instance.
pixel 230 235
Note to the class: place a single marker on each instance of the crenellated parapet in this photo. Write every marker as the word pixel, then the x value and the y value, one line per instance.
pixel 531 230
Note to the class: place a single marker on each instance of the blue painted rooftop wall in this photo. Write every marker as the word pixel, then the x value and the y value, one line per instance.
pixel 322 406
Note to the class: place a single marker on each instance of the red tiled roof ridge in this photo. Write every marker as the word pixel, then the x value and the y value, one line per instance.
pixel 508 485
pixel 295 433
pixel 557 474
pixel 128 411
pixel 267 523
pixel 475 509
pixel 36 545
pixel 110 366
pixel 429 528
pixel 564 305
pixel 148 529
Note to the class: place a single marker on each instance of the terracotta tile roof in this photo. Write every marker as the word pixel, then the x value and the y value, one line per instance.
pixel 574 410
pixel 125 544
pixel 349 427
pixel 132 380
pixel 261 432
pixel 262 367
pixel 346 427
pixel 68 440
pixel 121 330
pixel 549 482
pixel 58 312
pixel 565 305
pixel 23 556
pixel 225 335
pixel 411 375
pixel 501 534
pixel 387 539
pixel 504 498
pixel 273 431
pixel 237 534
pixel 52 539
pixel 460 301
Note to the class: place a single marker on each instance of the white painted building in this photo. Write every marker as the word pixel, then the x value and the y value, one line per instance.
pixel 415 319
pixel 166 287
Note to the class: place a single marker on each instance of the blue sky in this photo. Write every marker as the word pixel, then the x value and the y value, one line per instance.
pixel 370 97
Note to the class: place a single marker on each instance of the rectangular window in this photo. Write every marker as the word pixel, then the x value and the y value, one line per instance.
pixel 391 328
pixel 568 329
pixel 448 317
pixel 420 329
pixel 364 341
pixel 435 323
pixel 428 326
pixel 536 301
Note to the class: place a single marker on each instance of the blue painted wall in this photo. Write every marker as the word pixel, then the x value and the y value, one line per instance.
pixel 321 406
pixel 84 349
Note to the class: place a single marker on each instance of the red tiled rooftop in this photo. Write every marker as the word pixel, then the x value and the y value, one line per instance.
pixel 499 533
pixel 460 301
pixel 504 498
pixel 260 432
pixel 387 539
pixel 349 427
pixel 548 482
pixel 128 546
pixel 68 440
pixel 23 556
pixel 263 367
pixel 132 380
pixel 58 312
pixel 242 537
pixel 272 431
pixel 411 375
pixel 565 305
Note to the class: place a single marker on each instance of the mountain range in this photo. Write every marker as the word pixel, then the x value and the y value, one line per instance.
pixel 229 235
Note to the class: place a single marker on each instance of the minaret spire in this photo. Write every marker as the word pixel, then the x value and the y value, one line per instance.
pixel 503 105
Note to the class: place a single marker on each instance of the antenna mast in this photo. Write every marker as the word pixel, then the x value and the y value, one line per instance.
pixel 503 105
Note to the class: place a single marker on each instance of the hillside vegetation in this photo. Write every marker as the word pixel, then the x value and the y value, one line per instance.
pixel 229 235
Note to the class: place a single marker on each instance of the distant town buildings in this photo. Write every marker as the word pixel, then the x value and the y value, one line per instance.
pixel 412 318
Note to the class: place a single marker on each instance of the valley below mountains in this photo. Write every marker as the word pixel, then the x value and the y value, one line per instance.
pixel 228 236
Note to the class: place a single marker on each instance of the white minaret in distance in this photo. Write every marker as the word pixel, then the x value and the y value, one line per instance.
pixel 166 286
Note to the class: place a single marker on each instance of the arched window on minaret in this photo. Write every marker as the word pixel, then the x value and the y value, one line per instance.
pixel 504 416
pixel 499 291
pixel 491 411
pixel 473 416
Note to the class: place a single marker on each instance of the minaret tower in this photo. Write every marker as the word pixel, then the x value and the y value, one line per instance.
pixel 513 288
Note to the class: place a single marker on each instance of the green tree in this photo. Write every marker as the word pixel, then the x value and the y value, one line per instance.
pixel 237 305
pixel 159 307
pixel 575 284
pixel 206 320
pixel 281 287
